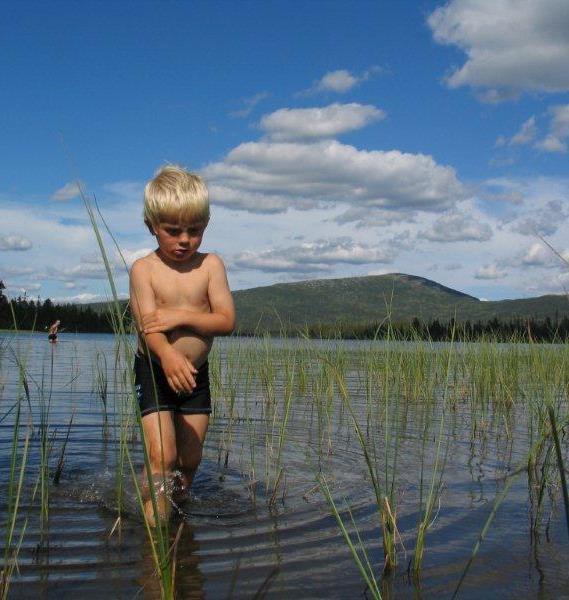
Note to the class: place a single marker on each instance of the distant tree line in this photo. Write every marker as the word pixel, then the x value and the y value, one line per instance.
pixel 515 329
pixel 36 315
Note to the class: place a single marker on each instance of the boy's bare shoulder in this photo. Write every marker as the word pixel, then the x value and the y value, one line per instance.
pixel 213 261
pixel 142 266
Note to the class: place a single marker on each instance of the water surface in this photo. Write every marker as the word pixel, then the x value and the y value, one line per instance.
pixel 240 536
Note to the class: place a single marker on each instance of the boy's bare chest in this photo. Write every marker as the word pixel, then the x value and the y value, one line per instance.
pixel 175 289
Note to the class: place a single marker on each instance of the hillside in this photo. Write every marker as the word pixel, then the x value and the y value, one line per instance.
pixel 369 299
pixel 359 300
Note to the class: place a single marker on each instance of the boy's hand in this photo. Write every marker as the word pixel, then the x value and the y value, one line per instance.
pixel 163 319
pixel 179 371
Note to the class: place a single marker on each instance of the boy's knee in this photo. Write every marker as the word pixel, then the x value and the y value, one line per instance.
pixel 162 461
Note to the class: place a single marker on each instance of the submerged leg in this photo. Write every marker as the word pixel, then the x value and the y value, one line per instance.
pixel 160 441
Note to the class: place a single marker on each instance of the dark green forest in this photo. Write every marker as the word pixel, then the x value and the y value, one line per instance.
pixel 26 314
pixel 513 330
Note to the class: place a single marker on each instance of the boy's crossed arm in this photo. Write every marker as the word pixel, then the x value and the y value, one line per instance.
pixel 178 369
pixel 221 319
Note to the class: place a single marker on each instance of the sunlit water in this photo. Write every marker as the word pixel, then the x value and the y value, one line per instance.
pixel 238 539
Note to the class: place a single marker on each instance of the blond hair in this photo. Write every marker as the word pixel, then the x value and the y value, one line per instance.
pixel 175 196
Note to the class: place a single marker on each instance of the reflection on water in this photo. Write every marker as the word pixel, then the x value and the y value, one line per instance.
pixel 255 520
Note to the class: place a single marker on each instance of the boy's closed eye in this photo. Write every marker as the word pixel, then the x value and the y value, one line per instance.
pixel 177 231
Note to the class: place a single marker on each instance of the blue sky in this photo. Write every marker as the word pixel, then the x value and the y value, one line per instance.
pixel 337 138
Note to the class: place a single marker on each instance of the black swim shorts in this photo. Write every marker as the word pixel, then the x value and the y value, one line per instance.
pixel 163 397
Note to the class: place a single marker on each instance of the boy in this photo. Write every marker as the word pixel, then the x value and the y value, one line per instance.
pixel 180 300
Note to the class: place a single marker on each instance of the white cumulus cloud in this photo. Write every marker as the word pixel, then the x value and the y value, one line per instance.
pixel 511 46
pixel 339 81
pixel 490 272
pixel 457 227
pixel 537 255
pixel 543 219
pixel 83 270
pixel 271 176
pixel 14 242
pixel 131 255
pixel 320 255
pixel 313 123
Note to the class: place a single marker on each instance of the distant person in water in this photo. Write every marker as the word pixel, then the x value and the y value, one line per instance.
pixel 52 336
pixel 180 299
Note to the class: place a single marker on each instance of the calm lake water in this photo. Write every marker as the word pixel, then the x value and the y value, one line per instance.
pixel 242 538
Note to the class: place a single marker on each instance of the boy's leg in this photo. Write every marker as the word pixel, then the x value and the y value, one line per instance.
pixel 160 441
pixel 190 436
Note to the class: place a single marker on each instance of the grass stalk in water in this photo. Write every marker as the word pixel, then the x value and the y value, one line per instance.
pixel 497 502
pixel 386 516
pixel 289 385
pixel 61 461
pixel 560 463
pixel 15 484
pixel 357 549
pixel 15 480
pixel 158 537
pixel 436 475
pixel 45 451
pixel 227 390
pixel 44 441
pixel 389 507
pixel 268 380
pixel 101 387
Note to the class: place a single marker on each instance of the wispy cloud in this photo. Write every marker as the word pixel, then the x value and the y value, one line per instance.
pixel 248 105
pixel 17 289
pixel 525 135
pixel 320 255
pixel 84 297
pixel 556 140
pixel 68 192
pixel 339 81
pixel 16 271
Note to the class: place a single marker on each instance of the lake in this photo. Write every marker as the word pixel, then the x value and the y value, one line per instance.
pixel 442 430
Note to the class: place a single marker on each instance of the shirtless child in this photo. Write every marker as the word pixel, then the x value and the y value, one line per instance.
pixel 180 300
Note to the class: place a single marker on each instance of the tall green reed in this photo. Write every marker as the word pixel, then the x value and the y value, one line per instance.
pixel 356 547
pixel 435 487
pixel 15 490
pixel 13 543
pixel 159 536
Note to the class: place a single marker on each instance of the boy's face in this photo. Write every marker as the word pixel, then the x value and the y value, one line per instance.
pixel 179 241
